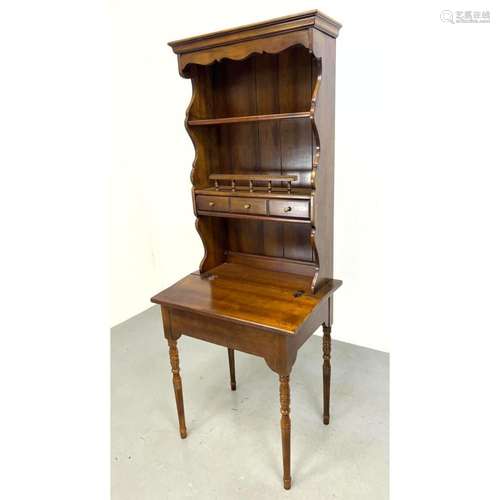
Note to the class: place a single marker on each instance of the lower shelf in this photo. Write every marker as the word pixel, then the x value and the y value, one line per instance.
pixel 299 193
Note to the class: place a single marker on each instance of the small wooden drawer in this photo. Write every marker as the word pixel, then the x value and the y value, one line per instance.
pixel 213 203
pixel 248 206
pixel 297 209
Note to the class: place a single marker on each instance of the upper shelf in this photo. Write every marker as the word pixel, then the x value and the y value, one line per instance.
pixel 250 118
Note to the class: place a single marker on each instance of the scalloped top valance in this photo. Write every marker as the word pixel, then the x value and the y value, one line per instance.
pixel 271 36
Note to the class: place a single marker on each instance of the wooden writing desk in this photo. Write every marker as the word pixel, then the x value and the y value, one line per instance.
pixel 262 123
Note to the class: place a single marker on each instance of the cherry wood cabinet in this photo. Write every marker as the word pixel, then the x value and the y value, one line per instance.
pixel 261 119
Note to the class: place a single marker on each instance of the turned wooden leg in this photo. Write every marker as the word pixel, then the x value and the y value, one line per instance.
pixel 176 379
pixel 285 429
pixel 327 342
pixel 230 353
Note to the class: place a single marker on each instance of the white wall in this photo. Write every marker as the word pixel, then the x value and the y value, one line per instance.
pixel 154 241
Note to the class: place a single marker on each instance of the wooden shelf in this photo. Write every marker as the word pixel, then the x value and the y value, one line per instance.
pixel 250 118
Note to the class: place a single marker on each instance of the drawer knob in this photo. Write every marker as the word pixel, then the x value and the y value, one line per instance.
pixel 211 204
pixel 247 205
pixel 287 209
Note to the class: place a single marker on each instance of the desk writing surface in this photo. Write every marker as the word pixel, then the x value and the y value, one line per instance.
pixel 270 299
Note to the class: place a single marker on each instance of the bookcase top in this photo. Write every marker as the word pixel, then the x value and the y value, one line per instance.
pixel 305 20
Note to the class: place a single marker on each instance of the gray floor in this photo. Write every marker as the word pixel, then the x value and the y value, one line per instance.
pixel 233 448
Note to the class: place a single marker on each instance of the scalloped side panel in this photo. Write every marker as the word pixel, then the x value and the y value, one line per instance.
pixel 200 233
pixel 206 227
pixel 188 128
pixel 211 231
pixel 314 279
pixel 315 165
pixel 317 142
